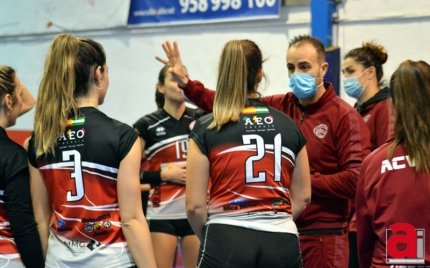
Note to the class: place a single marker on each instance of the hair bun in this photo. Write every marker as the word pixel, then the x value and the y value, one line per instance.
pixel 378 50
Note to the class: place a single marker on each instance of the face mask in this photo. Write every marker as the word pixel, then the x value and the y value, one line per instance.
pixel 352 86
pixel 303 85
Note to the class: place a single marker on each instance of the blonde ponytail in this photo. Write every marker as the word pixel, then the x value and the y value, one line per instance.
pixel 231 89
pixel 56 93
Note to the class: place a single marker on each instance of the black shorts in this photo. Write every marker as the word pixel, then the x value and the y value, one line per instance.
pixel 179 228
pixel 231 246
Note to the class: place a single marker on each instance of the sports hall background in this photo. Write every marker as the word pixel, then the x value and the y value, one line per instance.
pixel 402 27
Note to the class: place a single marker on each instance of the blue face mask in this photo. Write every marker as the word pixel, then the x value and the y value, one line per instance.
pixel 303 85
pixel 352 86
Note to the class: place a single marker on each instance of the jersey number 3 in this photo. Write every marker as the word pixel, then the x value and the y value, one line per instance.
pixel 261 152
pixel 76 175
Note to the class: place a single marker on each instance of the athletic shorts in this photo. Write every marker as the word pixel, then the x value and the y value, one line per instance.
pixel 231 246
pixel 179 228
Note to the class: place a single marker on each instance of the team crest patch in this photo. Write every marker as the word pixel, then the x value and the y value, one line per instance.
pixel 365 118
pixel 320 131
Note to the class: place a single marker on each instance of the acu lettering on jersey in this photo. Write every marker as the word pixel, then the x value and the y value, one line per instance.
pixel 398 162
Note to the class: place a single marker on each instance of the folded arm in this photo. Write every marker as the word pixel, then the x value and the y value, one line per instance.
pixel 175 174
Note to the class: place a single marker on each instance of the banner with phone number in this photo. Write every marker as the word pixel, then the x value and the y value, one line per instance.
pixel 153 12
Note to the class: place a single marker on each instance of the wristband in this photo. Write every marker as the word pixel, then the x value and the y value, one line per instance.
pixel 151 177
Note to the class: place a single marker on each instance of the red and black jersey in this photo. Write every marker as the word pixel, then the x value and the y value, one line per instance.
pixel 81 179
pixel 337 142
pixel 166 141
pixel 18 231
pixel 251 162
pixel 390 191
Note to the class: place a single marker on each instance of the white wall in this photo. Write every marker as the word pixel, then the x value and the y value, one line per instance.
pixel 401 28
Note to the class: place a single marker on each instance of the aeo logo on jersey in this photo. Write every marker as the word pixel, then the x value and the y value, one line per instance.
pixel 72 134
pixel 257 120
pixel 405 244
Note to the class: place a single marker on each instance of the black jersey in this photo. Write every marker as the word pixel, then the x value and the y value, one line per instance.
pixel 16 214
pixel 81 179
pixel 251 162
pixel 166 144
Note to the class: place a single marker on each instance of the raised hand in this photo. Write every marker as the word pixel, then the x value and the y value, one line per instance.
pixel 174 62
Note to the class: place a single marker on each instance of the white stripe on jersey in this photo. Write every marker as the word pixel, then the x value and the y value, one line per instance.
pixel 8 239
pixel 62 165
pixel 250 147
pixel 283 156
pixel 159 122
pixel 247 196
pixel 284 149
pixel 159 149
pixel 9 256
pixel 95 208
pixel 98 174
pixel 282 189
pixel 101 167
pixel 164 142
pixel 69 219
pixel 66 165
pixel 4 223
pixel 87 171
pixel 253 147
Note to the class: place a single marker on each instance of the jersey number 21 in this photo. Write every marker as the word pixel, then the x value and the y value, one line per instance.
pixel 261 152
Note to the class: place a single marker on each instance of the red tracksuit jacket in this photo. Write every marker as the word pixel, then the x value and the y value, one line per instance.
pixel 390 192
pixel 337 142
